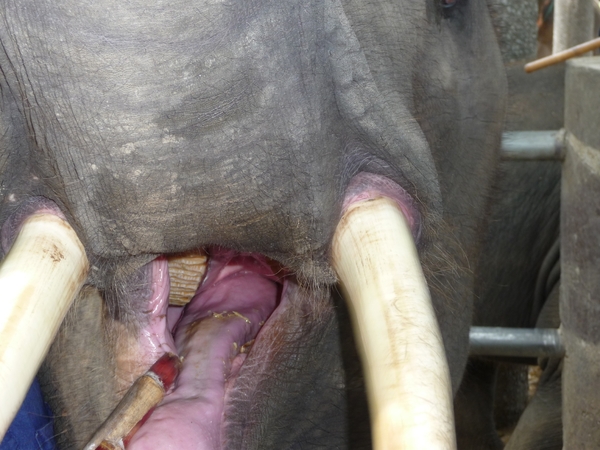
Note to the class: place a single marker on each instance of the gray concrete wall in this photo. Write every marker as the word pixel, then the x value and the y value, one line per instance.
pixel 580 256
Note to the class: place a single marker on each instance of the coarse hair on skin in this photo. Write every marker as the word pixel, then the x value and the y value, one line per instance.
pixel 443 261
pixel 77 377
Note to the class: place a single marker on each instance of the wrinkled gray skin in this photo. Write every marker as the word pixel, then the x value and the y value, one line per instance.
pixel 523 227
pixel 163 127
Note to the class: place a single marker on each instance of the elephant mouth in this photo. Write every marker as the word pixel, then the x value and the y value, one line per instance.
pixel 213 335
pixel 234 310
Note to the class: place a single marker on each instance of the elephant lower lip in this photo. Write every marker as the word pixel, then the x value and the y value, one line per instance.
pixel 236 298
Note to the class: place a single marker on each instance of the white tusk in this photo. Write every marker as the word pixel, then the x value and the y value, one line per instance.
pixel 398 338
pixel 39 279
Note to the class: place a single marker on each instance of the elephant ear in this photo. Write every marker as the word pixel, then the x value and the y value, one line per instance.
pixel 388 129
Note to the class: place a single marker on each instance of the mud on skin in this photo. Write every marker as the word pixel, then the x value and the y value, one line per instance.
pixel 235 128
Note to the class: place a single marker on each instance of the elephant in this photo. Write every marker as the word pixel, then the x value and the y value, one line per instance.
pixel 237 137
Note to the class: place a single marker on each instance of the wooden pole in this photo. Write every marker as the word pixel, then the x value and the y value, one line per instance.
pixel 563 56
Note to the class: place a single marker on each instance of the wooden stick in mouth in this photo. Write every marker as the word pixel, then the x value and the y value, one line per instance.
pixel 136 405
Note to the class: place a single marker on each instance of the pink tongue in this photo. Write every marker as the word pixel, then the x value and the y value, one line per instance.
pixel 227 312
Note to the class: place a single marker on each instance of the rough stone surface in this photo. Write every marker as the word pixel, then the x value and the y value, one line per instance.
pixel 519 32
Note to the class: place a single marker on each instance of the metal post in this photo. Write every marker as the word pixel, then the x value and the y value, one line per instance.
pixel 573 23
pixel 580 256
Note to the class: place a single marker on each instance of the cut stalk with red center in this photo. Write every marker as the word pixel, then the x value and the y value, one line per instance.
pixel 134 408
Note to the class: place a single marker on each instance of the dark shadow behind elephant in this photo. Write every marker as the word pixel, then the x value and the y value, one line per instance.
pixel 518 277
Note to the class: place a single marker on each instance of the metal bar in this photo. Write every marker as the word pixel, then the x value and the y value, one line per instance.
pixel 533 145
pixel 519 342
